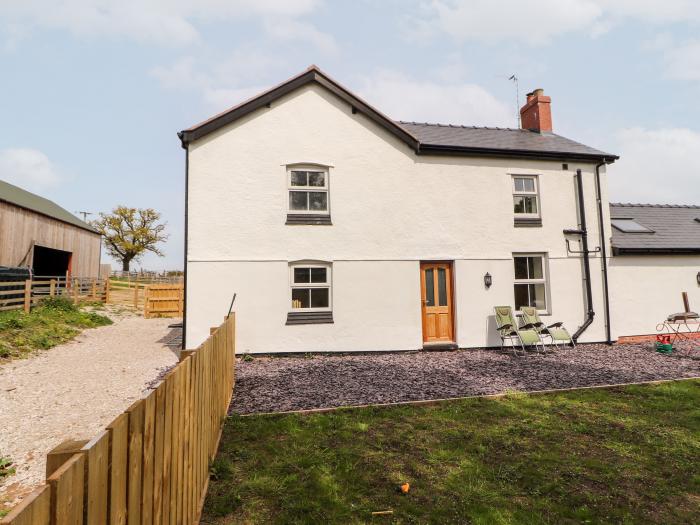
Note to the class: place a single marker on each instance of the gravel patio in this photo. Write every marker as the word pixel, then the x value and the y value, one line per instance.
pixel 275 384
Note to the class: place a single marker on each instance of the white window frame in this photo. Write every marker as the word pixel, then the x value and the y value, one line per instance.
pixel 316 189
pixel 328 284
pixel 523 193
pixel 544 280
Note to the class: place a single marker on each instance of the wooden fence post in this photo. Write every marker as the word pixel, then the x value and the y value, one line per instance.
pixel 76 285
pixel 106 291
pixel 94 289
pixel 27 295
pixel 136 296
pixel 146 302
pixel 52 287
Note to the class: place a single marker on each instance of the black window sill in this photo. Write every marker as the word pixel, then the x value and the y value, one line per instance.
pixel 310 318
pixel 308 218
pixel 522 222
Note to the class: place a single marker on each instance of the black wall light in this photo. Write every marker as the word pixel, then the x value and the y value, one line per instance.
pixel 698 277
pixel 488 281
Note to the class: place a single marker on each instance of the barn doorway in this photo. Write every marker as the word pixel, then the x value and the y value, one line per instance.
pixel 49 262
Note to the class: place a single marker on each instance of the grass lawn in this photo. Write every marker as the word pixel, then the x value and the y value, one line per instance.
pixel 54 321
pixel 619 455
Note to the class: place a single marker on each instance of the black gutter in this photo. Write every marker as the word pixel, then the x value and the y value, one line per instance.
pixel 603 253
pixel 590 313
pixel 655 251
pixel 438 149
pixel 184 299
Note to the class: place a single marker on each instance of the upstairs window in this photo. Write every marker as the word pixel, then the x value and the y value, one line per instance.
pixel 530 285
pixel 311 287
pixel 525 197
pixel 308 191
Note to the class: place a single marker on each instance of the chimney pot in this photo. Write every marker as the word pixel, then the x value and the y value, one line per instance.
pixel 536 114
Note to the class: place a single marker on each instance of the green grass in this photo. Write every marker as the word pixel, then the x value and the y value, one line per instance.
pixel 619 455
pixel 54 321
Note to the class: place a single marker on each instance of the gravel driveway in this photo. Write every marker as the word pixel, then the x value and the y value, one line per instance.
pixel 272 384
pixel 75 390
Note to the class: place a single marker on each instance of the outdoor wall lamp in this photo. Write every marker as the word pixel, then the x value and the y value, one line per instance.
pixel 488 281
pixel 698 277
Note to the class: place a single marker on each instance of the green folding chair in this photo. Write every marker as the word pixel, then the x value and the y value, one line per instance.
pixel 555 331
pixel 508 331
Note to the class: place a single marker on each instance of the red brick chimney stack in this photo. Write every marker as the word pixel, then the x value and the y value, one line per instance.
pixel 536 114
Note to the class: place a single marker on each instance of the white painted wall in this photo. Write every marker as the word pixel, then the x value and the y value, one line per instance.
pixel 646 289
pixel 390 209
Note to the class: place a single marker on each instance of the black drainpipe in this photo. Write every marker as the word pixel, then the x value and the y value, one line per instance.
pixel 185 146
pixel 590 314
pixel 603 253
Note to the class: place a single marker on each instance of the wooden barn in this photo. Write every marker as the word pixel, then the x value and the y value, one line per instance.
pixel 38 234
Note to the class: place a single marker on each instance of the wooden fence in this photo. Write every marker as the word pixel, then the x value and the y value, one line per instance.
pixel 155 300
pixel 164 300
pixel 151 464
pixel 25 294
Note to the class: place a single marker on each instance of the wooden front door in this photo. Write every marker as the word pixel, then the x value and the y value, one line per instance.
pixel 436 301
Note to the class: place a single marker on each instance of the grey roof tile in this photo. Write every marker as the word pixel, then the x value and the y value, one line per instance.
pixel 674 226
pixel 506 139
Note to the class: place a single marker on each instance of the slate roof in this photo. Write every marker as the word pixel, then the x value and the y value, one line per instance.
pixel 676 229
pixel 30 201
pixel 507 139
pixel 423 138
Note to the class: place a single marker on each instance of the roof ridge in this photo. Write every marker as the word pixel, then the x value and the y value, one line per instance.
pixel 647 205
pixel 464 126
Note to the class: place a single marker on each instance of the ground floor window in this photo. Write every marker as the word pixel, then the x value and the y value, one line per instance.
pixel 530 285
pixel 310 287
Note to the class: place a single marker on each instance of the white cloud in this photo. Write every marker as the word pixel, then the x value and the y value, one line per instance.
pixel 404 98
pixel 537 22
pixel 656 166
pixel 218 82
pixel 167 22
pixel 291 30
pixel 683 60
pixel 28 168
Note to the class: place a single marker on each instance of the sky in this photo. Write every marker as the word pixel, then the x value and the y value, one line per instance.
pixel 93 92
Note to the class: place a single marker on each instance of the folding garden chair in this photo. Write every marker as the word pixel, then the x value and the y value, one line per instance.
pixel 508 330
pixel 555 331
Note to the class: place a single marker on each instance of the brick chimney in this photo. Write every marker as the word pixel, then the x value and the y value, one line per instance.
pixel 536 114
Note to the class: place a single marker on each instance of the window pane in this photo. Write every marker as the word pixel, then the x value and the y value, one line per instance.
pixel 537 298
pixel 529 204
pixel 301 275
pixel 300 298
pixel 442 287
pixel 521 296
pixel 535 268
pixel 318 275
pixel 429 288
pixel 529 184
pixel 317 179
pixel 518 204
pixel 319 297
pixel 297 200
pixel 318 201
pixel 520 267
pixel 518 184
pixel 299 178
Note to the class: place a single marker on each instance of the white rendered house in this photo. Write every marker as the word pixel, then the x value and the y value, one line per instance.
pixel 341 230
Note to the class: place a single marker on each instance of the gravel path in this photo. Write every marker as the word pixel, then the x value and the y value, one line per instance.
pixel 75 390
pixel 271 384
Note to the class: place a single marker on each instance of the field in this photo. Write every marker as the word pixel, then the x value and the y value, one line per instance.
pixel 618 455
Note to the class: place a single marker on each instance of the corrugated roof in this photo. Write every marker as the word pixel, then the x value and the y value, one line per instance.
pixel 506 139
pixel 30 201
pixel 675 228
